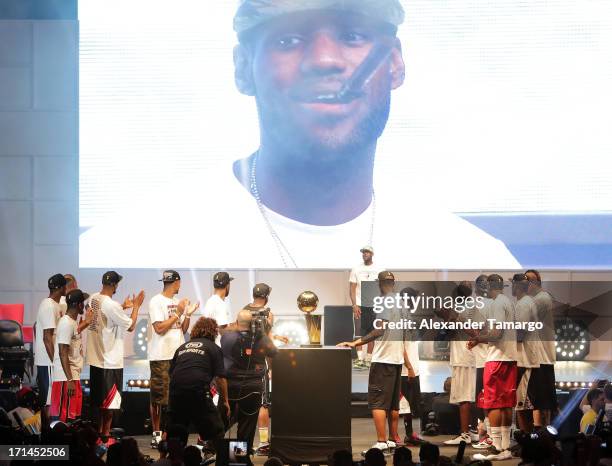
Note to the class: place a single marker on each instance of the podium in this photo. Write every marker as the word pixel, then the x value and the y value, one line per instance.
pixel 311 404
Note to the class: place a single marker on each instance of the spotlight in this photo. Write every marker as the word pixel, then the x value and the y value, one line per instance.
pixel 571 340
pixel 140 339
pixel 292 328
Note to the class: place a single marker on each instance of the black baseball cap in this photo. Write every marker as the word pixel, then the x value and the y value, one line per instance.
pixel 261 290
pixel 56 281
pixel 221 279
pixel 111 278
pixel 496 282
pixel 75 296
pixel 385 275
pixel 519 277
pixel 170 276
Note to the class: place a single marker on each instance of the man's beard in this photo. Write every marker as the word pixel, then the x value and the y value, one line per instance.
pixel 287 133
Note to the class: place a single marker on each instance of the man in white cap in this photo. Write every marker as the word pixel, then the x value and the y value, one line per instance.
pixel 321 74
pixel 365 272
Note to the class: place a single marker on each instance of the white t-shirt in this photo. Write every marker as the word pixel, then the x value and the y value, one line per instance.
pixel 218 309
pixel 63 306
pixel 412 349
pixel 544 303
pixel 106 332
pixel 389 348
pixel 399 243
pixel 163 347
pixel 67 334
pixel 363 273
pixel 503 349
pixel 460 355
pixel 47 317
pixel 529 351
pixel 480 351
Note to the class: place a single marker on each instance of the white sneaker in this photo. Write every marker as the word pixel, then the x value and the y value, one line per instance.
pixel 474 437
pixel 464 437
pixel 504 455
pixel 391 445
pixel 156 438
pixel 485 443
pixel 382 446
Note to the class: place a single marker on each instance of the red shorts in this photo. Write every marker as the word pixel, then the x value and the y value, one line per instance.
pixel 64 407
pixel 499 385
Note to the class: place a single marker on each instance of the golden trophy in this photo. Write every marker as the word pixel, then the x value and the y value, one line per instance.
pixel 307 302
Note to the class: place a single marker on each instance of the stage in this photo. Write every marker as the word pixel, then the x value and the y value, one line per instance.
pixel 432 374
pixel 363 437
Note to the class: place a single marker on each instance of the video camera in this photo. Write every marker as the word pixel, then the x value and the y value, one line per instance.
pixel 259 321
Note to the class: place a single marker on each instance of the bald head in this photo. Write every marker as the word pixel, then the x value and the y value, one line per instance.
pixel 244 319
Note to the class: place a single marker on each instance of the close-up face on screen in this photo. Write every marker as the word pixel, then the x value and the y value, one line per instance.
pixel 447 135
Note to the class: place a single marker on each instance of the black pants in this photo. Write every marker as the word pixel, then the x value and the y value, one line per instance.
pixel 244 400
pixel 186 406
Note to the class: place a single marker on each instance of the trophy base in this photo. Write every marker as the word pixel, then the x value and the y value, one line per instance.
pixel 310 345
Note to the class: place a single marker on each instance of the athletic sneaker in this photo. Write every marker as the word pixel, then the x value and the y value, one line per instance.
pixel 359 365
pixel 491 451
pixel 504 455
pixel 263 450
pixel 382 446
pixel 398 441
pixel 156 438
pixel 474 437
pixel 464 437
pixel 414 440
pixel 483 444
pixel 391 445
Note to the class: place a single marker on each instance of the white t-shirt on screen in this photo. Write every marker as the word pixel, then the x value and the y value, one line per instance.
pixel 47 317
pixel 363 273
pixel 106 332
pixel 163 347
pixel 67 334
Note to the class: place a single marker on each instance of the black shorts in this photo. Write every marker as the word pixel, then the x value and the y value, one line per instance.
pixel 411 391
pixel 43 380
pixel 105 387
pixel 266 396
pixel 542 392
pixel 367 320
pixel 384 386
pixel 479 382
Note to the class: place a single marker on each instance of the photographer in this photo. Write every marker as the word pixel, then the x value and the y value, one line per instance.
pixel 193 368
pixel 245 349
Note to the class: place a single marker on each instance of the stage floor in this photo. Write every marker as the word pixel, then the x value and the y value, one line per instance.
pixel 363 436
pixel 432 373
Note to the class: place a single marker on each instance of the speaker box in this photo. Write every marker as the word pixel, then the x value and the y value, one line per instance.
pixel 312 404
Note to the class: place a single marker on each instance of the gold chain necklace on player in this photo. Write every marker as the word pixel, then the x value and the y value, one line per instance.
pixel 283 251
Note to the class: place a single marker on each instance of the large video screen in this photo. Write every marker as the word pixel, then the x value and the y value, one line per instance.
pixel 290 134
